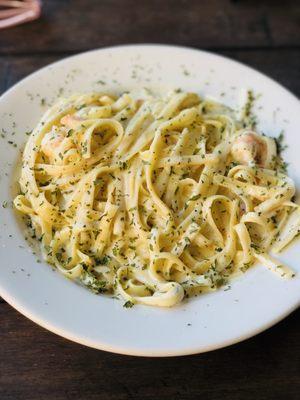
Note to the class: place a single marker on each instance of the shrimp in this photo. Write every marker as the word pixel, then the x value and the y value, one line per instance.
pixel 249 148
pixel 51 142
pixel 56 145
pixel 71 121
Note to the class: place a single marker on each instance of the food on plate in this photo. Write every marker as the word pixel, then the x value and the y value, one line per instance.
pixel 154 199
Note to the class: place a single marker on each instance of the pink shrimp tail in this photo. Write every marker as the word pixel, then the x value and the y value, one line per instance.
pixel 16 12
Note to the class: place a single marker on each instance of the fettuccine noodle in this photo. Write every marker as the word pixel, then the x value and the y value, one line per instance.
pixel 154 199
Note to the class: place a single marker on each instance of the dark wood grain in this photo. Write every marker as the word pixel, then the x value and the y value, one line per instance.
pixel 3 75
pixel 76 25
pixel 283 65
pixel 36 364
pixel 16 68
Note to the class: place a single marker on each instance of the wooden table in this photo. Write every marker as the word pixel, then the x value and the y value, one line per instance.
pixel 36 364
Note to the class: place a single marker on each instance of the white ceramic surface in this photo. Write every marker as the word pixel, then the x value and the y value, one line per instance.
pixel 253 302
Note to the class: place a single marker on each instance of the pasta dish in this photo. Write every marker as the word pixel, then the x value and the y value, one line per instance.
pixel 155 199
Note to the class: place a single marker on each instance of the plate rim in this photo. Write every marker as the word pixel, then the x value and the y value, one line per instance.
pixel 150 44
pixel 128 351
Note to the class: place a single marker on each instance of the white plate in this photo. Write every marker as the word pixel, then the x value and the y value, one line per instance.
pixel 254 302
